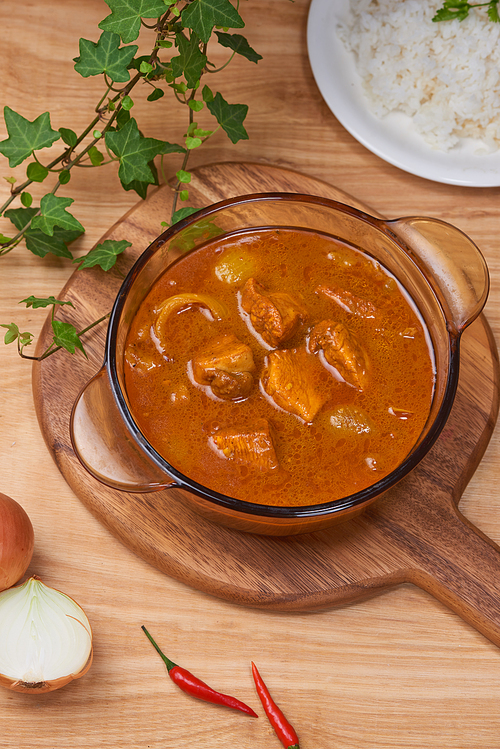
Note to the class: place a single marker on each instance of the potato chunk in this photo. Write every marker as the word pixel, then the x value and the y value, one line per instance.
pixel 236 265
pixel 226 365
pixel 342 352
pixel 291 380
pixel 275 316
pixel 351 421
pixel 249 445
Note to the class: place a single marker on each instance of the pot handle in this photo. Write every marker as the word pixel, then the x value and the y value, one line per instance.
pixel 452 259
pixel 104 446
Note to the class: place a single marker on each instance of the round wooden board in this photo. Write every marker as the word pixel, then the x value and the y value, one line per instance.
pixel 415 533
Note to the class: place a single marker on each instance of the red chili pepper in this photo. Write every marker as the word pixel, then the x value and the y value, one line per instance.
pixel 284 730
pixel 197 688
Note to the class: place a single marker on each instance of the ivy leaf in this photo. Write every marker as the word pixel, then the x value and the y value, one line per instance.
pixel 104 254
pixel 25 136
pixel 141 188
pixel 172 148
pixel 141 62
pixel 202 15
pixel 64 176
pixel 190 62
pixel 122 118
pixel 195 105
pixel 196 132
pixel 41 244
pixel 105 56
pixel 38 302
pixel 37 242
pixel 182 213
pixel 54 213
pixel 134 152
pixel 238 44
pixel 66 336
pixel 493 13
pixel 95 156
pixel 445 14
pixel 68 136
pixel 37 172
pixel 20 217
pixel 183 176
pixel 192 143
pixel 156 94
pixel 207 94
pixel 13 334
pixel 125 17
pixel 230 117
pixel 193 234
pixel 127 103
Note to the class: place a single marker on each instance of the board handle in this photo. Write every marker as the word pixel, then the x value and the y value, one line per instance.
pixel 456 563
pixel 104 446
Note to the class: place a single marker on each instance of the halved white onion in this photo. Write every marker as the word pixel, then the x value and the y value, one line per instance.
pixel 45 638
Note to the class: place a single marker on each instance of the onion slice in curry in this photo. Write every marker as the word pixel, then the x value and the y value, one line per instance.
pixel 180 301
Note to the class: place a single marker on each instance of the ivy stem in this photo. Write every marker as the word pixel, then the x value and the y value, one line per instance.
pixel 178 183
pixel 184 164
pixel 52 349
pixel 217 70
pixel 98 106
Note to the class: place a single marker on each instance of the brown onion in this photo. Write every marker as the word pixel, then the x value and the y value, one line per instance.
pixel 16 541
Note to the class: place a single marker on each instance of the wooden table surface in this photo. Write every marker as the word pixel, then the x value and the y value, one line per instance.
pixel 397 671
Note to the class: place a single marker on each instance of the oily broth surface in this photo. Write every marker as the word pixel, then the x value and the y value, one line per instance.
pixel 317 463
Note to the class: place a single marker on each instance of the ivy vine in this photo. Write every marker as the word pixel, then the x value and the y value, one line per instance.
pixel 182 32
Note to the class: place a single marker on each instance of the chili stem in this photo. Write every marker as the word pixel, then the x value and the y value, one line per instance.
pixel 193 686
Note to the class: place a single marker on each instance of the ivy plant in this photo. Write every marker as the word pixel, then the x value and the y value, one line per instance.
pixel 181 32
pixel 459 9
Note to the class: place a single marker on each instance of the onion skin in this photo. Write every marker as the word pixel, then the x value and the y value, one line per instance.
pixel 43 686
pixel 17 541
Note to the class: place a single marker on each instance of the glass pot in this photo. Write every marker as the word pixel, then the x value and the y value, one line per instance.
pixel 440 267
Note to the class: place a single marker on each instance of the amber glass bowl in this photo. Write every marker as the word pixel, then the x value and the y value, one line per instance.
pixel 438 265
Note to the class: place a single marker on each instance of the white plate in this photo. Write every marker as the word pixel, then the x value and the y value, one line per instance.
pixel 393 138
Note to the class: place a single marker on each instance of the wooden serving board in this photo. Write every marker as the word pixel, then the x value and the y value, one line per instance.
pixel 414 534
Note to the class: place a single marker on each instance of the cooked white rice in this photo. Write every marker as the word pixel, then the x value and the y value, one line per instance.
pixel 445 75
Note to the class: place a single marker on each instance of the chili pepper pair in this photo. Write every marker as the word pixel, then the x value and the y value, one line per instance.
pixel 190 684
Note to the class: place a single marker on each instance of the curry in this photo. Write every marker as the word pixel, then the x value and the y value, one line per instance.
pixel 280 367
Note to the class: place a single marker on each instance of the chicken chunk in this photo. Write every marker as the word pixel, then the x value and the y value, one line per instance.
pixel 349 302
pixel 248 445
pixel 291 379
pixel 342 351
pixel 226 366
pixel 275 316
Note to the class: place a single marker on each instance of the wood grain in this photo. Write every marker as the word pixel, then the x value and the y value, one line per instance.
pixel 414 534
pixel 395 671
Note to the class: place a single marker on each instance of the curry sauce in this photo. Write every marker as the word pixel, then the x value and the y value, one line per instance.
pixel 280 367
